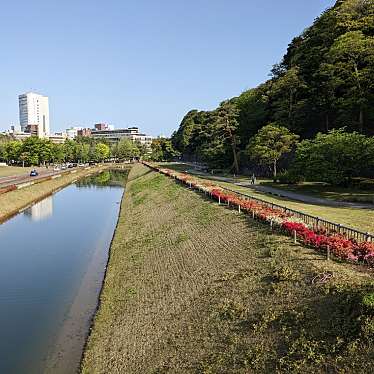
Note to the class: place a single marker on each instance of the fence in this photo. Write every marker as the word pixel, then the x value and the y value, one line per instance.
pixel 316 222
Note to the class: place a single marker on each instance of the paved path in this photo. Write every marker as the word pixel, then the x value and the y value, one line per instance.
pixel 289 194
pixel 306 198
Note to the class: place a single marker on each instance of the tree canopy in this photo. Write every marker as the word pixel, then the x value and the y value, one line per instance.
pixel 324 81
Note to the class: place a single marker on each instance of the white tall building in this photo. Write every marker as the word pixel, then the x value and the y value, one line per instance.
pixel 34 110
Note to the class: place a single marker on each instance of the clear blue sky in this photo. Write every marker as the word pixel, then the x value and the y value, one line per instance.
pixel 141 62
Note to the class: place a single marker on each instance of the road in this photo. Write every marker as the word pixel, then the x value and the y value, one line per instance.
pixel 23 178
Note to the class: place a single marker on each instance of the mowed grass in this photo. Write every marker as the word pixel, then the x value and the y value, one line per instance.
pixel 11 202
pixel 360 219
pixel 193 287
pixel 328 192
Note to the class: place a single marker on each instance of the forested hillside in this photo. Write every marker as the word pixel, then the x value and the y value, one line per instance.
pixel 324 81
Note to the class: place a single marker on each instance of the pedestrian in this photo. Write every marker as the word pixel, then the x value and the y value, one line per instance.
pixel 253 179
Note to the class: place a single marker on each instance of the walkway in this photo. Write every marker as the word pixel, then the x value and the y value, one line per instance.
pixel 288 194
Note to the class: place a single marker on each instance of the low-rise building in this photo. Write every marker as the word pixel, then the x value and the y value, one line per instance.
pixel 72 132
pixel 131 133
pixel 86 132
pixel 58 137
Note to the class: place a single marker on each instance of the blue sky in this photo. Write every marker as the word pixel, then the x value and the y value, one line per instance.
pixel 141 62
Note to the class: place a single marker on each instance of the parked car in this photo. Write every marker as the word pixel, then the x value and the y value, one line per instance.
pixel 63 167
pixel 33 173
pixel 56 168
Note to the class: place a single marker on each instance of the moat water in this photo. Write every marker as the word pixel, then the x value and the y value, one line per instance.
pixel 53 260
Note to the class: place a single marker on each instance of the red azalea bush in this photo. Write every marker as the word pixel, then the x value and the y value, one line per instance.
pixel 340 246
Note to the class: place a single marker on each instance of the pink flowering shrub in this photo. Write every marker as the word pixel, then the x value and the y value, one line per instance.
pixel 339 245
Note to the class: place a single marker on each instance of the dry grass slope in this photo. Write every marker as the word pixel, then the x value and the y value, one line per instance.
pixel 193 287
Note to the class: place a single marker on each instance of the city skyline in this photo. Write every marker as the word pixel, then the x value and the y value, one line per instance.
pixel 132 70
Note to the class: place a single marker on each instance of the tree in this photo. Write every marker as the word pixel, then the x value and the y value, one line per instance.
pixel 70 150
pixel 270 144
pixel 253 111
pixel 335 157
pixel 285 91
pixel 102 152
pixel 126 149
pixel 227 125
pixel 163 150
pixel 45 151
pixel 352 56
pixel 31 148
pixel 58 154
pixel 13 150
pixel 82 152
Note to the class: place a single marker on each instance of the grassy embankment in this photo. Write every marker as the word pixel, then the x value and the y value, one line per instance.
pixel 361 219
pixel 193 287
pixel 13 201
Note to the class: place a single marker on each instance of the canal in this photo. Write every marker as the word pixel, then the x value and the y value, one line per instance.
pixel 53 260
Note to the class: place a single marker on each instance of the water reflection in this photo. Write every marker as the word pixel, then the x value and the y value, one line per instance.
pixel 41 210
pixel 51 273
pixel 109 178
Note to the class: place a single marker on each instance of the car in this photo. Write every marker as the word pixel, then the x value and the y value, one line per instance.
pixel 70 166
pixel 63 167
pixel 56 168
pixel 33 173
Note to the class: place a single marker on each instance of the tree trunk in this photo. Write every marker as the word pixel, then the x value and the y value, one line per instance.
pixel 327 122
pixel 275 170
pixel 361 120
pixel 235 155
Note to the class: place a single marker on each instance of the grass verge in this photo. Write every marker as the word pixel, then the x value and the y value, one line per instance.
pixel 192 287
pixel 6 171
pixel 328 192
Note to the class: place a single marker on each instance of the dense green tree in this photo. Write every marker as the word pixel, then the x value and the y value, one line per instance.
pixel 253 112
pixel 102 152
pixel 227 128
pixel 58 154
pixel 335 157
pixel 270 144
pixel 82 152
pixel 324 81
pixel 13 150
pixel 352 60
pixel 163 150
pixel 125 149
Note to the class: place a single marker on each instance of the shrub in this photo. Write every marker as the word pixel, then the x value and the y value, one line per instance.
pixel 368 300
pixel 289 177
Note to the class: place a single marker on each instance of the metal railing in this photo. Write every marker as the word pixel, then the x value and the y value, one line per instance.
pixel 314 221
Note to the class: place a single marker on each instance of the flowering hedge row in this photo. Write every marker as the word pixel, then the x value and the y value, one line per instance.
pixel 339 245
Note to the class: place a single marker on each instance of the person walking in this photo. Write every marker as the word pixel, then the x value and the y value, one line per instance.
pixel 253 179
